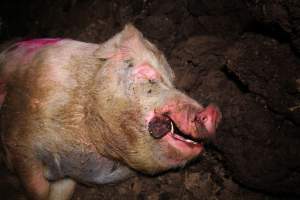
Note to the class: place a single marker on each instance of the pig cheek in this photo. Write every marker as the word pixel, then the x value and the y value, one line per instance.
pixel 170 156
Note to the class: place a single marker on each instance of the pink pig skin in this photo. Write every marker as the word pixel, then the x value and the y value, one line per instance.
pixel 89 113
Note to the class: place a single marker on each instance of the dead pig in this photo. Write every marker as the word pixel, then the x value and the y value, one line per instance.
pixel 80 112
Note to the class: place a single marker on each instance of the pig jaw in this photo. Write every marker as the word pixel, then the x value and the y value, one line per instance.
pixel 132 144
pixel 183 126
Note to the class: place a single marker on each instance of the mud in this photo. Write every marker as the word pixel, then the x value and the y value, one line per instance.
pixel 242 55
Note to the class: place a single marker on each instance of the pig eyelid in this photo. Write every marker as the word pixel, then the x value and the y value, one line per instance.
pixel 145 73
pixel 103 59
pixel 129 63
pixel 152 81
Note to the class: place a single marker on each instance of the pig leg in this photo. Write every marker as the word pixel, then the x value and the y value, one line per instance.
pixel 62 189
pixel 39 188
pixel 36 185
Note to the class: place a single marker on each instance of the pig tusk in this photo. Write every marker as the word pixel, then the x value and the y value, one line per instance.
pixel 179 137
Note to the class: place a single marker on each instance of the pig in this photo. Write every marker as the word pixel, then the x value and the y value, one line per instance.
pixel 75 112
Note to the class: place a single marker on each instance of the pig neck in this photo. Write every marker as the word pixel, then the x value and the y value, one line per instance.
pixel 90 126
pixel 85 69
pixel 95 127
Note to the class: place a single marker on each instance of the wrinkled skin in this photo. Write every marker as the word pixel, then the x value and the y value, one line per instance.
pixel 78 112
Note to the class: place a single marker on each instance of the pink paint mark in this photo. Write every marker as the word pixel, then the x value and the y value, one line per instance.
pixel 29 47
pixel 39 42
pixel 34 44
pixel 145 71
pixel 20 56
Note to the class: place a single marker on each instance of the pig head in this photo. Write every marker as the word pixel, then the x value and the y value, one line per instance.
pixel 74 111
pixel 153 126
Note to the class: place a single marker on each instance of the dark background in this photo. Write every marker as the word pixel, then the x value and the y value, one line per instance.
pixel 241 54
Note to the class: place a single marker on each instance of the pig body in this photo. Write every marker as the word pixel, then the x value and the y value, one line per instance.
pixel 80 112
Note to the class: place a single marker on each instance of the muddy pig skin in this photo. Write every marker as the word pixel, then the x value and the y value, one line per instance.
pixel 88 113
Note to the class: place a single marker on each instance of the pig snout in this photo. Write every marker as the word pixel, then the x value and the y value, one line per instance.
pixel 207 120
pixel 186 123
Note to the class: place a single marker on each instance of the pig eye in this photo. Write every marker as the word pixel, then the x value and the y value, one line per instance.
pixel 129 63
pixel 152 81
pixel 103 59
pixel 146 74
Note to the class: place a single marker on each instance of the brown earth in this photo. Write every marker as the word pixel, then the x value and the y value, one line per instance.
pixel 242 55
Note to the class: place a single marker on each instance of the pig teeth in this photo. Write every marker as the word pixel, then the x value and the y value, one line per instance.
pixel 191 141
pixel 183 139
pixel 179 137
pixel 172 128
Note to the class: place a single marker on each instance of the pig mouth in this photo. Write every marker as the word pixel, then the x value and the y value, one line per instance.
pixel 160 126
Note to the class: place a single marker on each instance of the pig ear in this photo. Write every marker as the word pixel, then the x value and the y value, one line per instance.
pixel 130 33
pixel 108 48
pixel 118 42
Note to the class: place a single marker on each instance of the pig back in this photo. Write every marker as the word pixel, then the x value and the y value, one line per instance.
pixel 45 88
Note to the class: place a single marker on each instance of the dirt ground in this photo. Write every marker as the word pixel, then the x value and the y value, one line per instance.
pixel 242 55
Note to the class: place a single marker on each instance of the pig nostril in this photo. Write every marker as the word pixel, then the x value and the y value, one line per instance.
pixel 204 118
